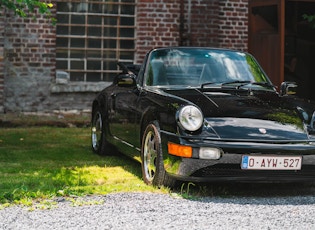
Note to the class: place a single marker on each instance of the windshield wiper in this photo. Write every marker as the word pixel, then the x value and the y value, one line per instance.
pixel 239 83
pixel 243 83
pixel 264 84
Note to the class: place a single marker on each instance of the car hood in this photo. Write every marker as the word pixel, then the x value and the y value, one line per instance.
pixel 247 115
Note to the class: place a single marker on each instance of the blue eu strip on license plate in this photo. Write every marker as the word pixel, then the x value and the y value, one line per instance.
pixel 245 162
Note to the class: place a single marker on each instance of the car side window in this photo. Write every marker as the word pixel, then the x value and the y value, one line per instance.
pixel 140 76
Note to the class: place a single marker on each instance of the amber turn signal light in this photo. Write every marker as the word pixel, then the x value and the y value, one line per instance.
pixel 179 150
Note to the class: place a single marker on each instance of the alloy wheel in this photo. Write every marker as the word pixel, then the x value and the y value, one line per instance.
pixel 150 156
pixel 96 131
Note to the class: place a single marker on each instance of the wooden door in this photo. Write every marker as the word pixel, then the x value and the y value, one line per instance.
pixel 266 36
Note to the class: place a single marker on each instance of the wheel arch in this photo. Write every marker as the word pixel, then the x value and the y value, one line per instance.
pixel 101 104
pixel 149 116
pixel 95 104
pixel 161 177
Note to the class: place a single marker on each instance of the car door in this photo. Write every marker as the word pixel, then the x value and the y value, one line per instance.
pixel 123 116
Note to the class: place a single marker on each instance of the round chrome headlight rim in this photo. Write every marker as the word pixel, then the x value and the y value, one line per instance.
pixel 190 118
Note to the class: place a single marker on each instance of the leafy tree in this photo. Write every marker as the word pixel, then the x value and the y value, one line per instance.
pixel 26 8
pixel 310 19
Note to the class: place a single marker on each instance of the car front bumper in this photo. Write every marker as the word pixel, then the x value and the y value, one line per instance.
pixel 228 167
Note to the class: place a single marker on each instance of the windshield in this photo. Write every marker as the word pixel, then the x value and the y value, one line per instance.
pixel 201 67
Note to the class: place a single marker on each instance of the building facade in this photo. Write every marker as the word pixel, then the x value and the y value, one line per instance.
pixel 45 67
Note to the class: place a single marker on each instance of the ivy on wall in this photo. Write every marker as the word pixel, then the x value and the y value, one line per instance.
pixel 28 8
pixel 310 19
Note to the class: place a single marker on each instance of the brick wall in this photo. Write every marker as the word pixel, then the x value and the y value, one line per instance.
pixel 233 29
pixel 29 48
pixel 175 22
pixel 213 23
pixel 157 25
pixel 29 70
pixel 200 23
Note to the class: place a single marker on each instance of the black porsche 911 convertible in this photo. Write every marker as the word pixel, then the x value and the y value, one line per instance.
pixel 205 115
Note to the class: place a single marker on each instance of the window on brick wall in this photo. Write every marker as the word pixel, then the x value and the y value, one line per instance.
pixel 92 36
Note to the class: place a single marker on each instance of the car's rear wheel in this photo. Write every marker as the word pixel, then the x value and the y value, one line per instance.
pixel 152 160
pixel 99 142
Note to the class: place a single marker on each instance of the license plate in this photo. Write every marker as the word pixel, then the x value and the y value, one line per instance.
pixel 271 162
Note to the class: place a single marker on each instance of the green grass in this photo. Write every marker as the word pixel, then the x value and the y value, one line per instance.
pixel 45 162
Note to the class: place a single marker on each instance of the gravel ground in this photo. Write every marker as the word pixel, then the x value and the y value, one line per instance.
pixel 162 211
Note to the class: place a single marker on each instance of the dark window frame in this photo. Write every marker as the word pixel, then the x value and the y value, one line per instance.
pixel 78 39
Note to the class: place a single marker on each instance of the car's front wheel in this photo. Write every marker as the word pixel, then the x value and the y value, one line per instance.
pixel 152 159
pixel 99 142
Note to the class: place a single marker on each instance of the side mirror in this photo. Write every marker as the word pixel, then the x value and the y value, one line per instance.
pixel 288 88
pixel 125 80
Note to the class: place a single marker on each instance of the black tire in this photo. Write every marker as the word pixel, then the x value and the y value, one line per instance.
pixel 99 143
pixel 153 171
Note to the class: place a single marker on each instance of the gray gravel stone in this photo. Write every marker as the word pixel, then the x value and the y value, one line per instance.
pixel 163 211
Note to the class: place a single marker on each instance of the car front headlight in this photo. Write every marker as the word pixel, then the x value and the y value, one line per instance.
pixel 190 118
